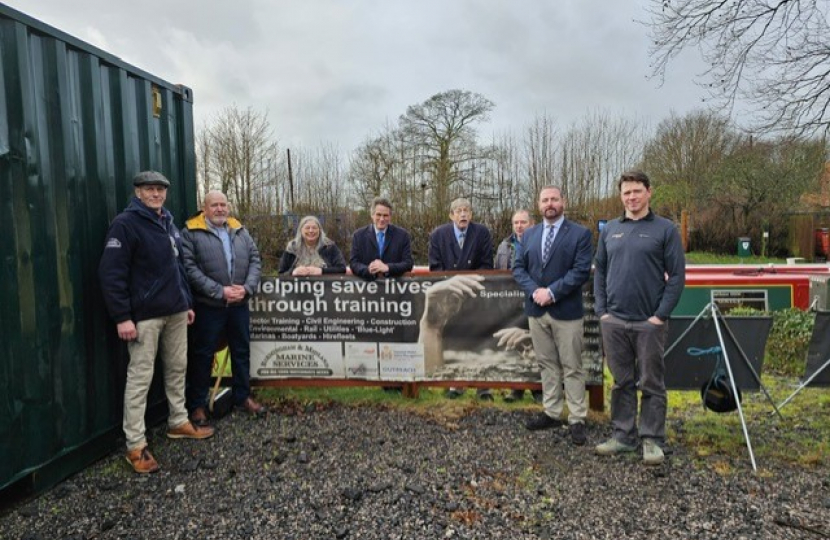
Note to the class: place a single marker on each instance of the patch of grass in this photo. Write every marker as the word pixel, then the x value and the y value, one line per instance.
pixel 705 257
pixel 111 467
pixel 527 477
pixel 799 439
pixel 723 468
pixel 430 401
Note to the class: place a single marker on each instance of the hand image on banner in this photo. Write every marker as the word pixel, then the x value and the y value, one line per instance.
pixel 463 315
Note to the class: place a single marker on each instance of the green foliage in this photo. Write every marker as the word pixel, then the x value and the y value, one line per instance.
pixel 763 180
pixel 788 342
pixel 743 311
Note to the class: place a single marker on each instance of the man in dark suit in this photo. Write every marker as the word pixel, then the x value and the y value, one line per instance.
pixel 461 245
pixel 380 249
pixel 553 263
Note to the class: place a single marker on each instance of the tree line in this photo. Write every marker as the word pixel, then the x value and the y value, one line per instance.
pixel 730 183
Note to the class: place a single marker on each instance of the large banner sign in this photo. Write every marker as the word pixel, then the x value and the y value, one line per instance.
pixel 459 327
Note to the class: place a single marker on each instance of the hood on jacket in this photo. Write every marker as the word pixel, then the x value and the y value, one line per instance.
pixel 198 222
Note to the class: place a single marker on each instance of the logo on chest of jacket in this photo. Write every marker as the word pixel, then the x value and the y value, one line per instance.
pixel 113 243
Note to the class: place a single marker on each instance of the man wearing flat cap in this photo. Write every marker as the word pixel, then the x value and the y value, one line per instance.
pixel 146 292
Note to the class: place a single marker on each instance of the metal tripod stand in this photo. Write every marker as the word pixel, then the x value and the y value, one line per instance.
pixel 712 311
pixel 815 374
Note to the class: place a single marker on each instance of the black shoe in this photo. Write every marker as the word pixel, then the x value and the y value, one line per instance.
pixel 452 393
pixel 578 437
pixel 514 395
pixel 199 417
pixel 484 393
pixel 543 421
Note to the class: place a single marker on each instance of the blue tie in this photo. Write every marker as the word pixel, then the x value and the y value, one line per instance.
pixel 461 239
pixel 380 243
pixel 548 243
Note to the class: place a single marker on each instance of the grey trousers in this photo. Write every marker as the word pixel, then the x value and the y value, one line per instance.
pixel 169 335
pixel 558 348
pixel 634 352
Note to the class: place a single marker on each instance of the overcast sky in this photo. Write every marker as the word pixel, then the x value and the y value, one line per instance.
pixel 337 71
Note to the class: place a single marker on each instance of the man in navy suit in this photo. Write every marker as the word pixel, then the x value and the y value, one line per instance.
pixel 553 263
pixel 461 245
pixel 380 249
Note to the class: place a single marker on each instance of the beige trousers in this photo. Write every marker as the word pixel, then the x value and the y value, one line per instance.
pixel 558 348
pixel 168 336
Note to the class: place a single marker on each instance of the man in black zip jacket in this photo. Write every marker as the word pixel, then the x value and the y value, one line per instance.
pixel 146 293
pixel 639 274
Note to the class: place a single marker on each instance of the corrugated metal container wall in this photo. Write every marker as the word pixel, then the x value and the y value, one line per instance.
pixel 75 125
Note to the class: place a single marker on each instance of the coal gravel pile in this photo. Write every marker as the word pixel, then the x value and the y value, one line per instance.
pixel 335 471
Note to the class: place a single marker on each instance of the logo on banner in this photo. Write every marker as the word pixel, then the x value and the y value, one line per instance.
pixel 295 360
pixel 401 361
pixel 361 360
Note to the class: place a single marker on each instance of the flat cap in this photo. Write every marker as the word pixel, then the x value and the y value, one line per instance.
pixel 150 178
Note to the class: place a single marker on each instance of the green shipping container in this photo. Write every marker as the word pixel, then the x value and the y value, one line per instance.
pixel 76 123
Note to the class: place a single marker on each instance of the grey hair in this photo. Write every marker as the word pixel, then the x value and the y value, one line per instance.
pixel 298 243
pixel 460 202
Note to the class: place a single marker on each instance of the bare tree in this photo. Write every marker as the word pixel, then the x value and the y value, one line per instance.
pixel 775 54
pixel 594 151
pixel 541 153
pixel 682 158
pixel 442 133
pixel 374 165
pixel 507 187
pixel 237 154
pixel 204 158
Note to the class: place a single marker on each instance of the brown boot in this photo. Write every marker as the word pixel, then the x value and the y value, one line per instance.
pixel 252 407
pixel 189 431
pixel 142 460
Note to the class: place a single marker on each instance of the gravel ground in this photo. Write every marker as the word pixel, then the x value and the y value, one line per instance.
pixel 309 472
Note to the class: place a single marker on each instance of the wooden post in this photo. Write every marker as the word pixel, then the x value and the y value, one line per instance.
pixel 596 398
pixel 684 230
pixel 290 179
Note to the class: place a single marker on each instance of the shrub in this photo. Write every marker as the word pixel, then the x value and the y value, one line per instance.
pixel 788 342
pixel 743 311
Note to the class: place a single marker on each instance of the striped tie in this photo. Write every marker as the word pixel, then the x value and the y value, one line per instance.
pixel 461 239
pixel 548 243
